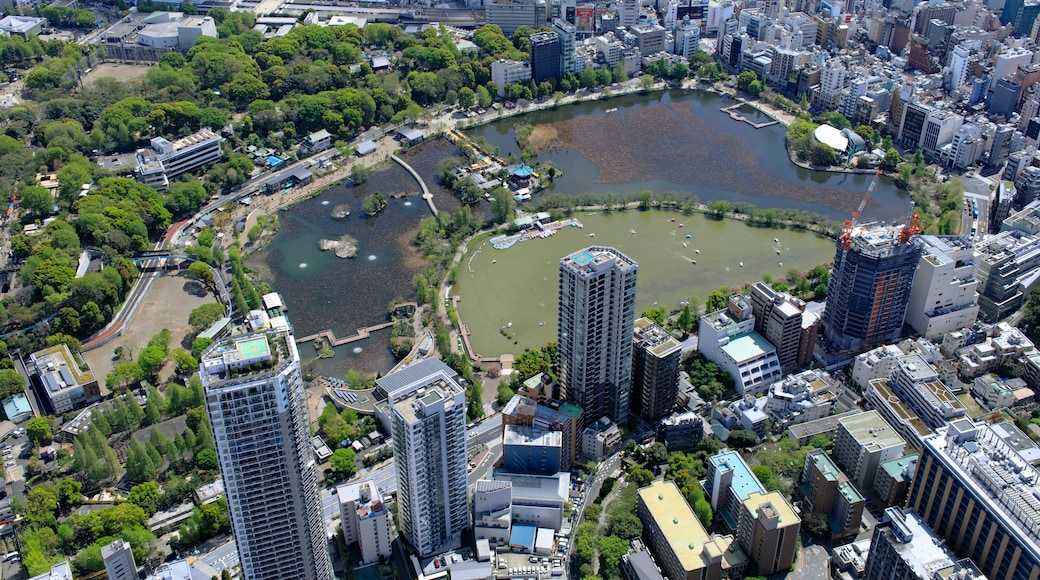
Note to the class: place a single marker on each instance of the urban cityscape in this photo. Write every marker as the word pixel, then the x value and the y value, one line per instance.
pixel 520 289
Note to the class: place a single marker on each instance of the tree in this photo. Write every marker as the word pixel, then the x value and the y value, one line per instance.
pixel 374 203
pixel 504 393
pixel 646 82
pixel 38 430
pixel 466 98
pixel 202 272
pixel 625 525
pixel 646 199
pixel 206 460
pixel 10 383
pixel 612 548
pixel 686 319
pixel 745 79
pixel 718 209
pixel 891 160
pixel 204 316
pixel 37 201
pixel 69 491
pixel 146 496
pixel 822 154
pixel 640 477
pixel 139 466
pixel 502 205
pixel 359 174
pixel 343 461
pixel 125 374
pixel 742 439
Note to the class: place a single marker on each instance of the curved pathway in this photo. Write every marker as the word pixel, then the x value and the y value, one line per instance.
pixel 425 190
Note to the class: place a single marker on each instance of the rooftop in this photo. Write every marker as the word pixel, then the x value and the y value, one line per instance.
pixel 824 464
pixel 747 346
pixel 871 429
pixel 915 543
pixel 774 501
pixel 655 339
pixel 896 468
pixel 523 435
pixel 744 483
pixel 58 369
pixel 406 380
pixel 596 259
pixel 552 488
pixel 901 410
pixel 681 528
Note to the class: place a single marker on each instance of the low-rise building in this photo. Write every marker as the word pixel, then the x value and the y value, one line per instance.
pixel 681 431
pixel 531 450
pixel 365 520
pixel 600 439
pixel 166 160
pixel 316 142
pixel 492 511
pixel 24 26
pixel 176 570
pixel 728 339
pixel 1006 345
pixel 914 400
pixel 996 393
pixel 63 382
pixel 804 432
pixel 550 415
pixel 536 500
pixel 806 396
pixel 507 72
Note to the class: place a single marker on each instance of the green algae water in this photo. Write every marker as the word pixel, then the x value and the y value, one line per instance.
pixel 509 297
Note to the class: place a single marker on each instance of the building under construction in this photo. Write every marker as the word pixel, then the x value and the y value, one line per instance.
pixel 869 289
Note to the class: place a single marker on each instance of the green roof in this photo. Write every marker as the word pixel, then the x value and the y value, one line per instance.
pixel 747 346
pixel 570 409
pixel 895 467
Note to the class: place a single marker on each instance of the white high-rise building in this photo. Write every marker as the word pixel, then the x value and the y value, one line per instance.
pixel 597 314
pixel 942 297
pixel 958 66
pixel 628 12
pixel 119 561
pixel 568 34
pixel 832 80
pixel 429 433
pixel 258 413
pixel 365 520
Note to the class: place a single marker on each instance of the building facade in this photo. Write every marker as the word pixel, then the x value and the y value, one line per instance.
pixel 166 160
pixel 258 413
pixel 828 492
pixel 904 548
pixel 545 57
pixel 429 434
pixel 783 321
pixel 365 520
pixel 656 358
pixel 870 288
pixel 119 561
pixel 768 532
pixel 942 297
pixel 728 339
pixel 863 442
pixel 596 322
pixel 980 496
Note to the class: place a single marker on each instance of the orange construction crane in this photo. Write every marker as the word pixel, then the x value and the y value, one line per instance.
pixel 912 226
pixel 847 225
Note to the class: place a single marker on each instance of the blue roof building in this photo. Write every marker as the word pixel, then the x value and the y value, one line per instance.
pixel 729 483
pixel 521 538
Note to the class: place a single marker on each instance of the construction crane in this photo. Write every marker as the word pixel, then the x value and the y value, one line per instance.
pixel 912 227
pixel 847 225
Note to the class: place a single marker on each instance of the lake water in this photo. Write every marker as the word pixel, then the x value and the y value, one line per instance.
pixel 665 141
pixel 509 297
pixel 680 141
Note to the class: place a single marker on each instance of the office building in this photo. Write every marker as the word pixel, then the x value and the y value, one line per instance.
pixel 507 72
pixel 728 339
pixel 1008 262
pixel 903 548
pixel 545 57
pixel 870 287
pixel 979 495
pixel 166 160
pixel 596 322
pixel 512 14
pixel 768 532
pixel 531 450
pixel 650 38
pixel 656 358
pixel 828 492
pixel 429 435
pixel 258 414
pixel 939 128
pixel 492 511
pixel 365 520
pixel 863 442
pixel 679 541
pixel 119 561
pixel 568 34
pixel 728 482
pixel 783 321
pixel 536 500
pixel 550 415
pixel 62 382
pixel 942 296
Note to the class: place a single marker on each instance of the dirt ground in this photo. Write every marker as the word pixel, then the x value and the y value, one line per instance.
pixel 118 71
pixel 167 305
pixel 543 137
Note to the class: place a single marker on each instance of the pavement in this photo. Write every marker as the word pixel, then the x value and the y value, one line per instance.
pixel 813 564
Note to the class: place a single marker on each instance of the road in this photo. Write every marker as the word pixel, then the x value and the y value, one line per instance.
pixel 211 563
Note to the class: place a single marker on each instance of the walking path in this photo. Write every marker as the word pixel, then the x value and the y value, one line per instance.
pixel 425 190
